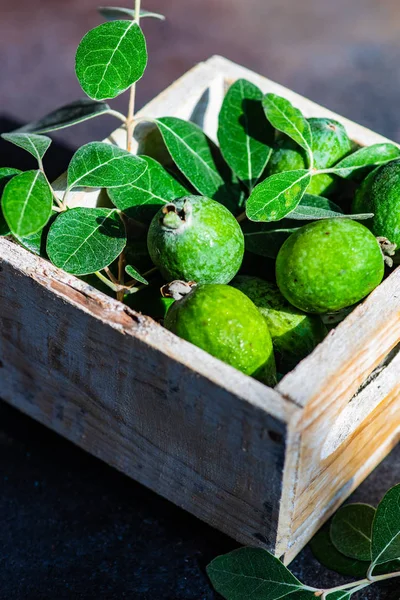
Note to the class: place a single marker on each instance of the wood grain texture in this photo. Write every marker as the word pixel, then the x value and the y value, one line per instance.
pixel 129 392
pixel 266 466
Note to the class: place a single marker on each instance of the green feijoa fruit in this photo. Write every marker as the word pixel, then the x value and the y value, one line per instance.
pixel 150 302
pixel 380 194
pixel 294 333
pixel 330 144
pixel 223 321
pixel 328 265
pixel 196 239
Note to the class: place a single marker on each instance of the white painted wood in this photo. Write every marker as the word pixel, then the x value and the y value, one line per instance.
pixel 265 466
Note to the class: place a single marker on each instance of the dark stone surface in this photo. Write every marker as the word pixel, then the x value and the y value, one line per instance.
pixel 74 528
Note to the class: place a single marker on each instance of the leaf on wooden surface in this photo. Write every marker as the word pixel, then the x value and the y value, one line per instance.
pixel 85 240
pixel 110 58
pixel 326 553
pixel 277 196
pixel 351 530
pixel 266 239
pixel 6 174
pixel 289 120
pixel 37 145
pixel 141 199
pixel 252 573
pixel 375 155
pixel 386 528
pixel 244 134
pixel 113 13
pixel 27 203
pixel 65 116
pixel 98 164
pixel 313 208
pixel 132 272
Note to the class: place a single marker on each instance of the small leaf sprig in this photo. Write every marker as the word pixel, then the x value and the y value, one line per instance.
pixel 360 541
pixel 83 241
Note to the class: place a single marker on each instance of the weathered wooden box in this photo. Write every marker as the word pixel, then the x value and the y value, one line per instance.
pixel 266 466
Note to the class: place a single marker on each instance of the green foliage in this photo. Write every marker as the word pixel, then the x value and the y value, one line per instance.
pixel 289 120
pixel 375 155
pixel 6 173
pixel 98 164
pixel 351 531
pixel 111 58
pixel 314 208
pixel 252 574
pixel 277 196
pixel 245 136
pixel 114 13
pixel 37 145
pixel 194 155
pixel 27 203
pixel 70 114
pixel 141 199
pixel 132 272
pixel 386 529
pixel 85 240
pixel 327 554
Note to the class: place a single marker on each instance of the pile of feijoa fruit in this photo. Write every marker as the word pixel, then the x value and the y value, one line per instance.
pixel 291 240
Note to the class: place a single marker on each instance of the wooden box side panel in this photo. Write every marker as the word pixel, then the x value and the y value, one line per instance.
pixel 109 380
pixel 349 388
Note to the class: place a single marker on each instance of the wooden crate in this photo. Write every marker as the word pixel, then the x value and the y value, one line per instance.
pixel 266 466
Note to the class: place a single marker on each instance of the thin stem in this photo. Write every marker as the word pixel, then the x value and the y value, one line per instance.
pixel 241 217
pixel 118 115
pixel 359 585
pixel 106 281
pixel 65 197
pixel 108 272
pixel 130 123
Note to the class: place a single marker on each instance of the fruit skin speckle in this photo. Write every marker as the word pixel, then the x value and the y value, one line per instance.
pixel 294 333
pixel 330 144
pixel 380 194
pixel 225 323
pixel 196 239
pixel 329 265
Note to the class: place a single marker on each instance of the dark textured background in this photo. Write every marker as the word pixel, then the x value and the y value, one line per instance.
pixel 73 528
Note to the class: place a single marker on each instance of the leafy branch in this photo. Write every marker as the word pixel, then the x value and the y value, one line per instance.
pixel 358 533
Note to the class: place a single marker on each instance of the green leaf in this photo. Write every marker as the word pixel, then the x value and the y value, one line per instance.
pixel 386 529
pixel 110 58
pixel 245 136
pixel 113 13
pixel 37 145
pixel 252 573
pixel 266 239
pixel 286 118
pixel 192 153
pixel 27 203
pixel 85 240
pixel 98 164
pixel 141 199
pixel 312 208
pixel 70 114
pixel 135 274
pixel 326 553
pixel 36 242
pixel 375 155
pixel 6 174
pixel 351 530
pixel 277 196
